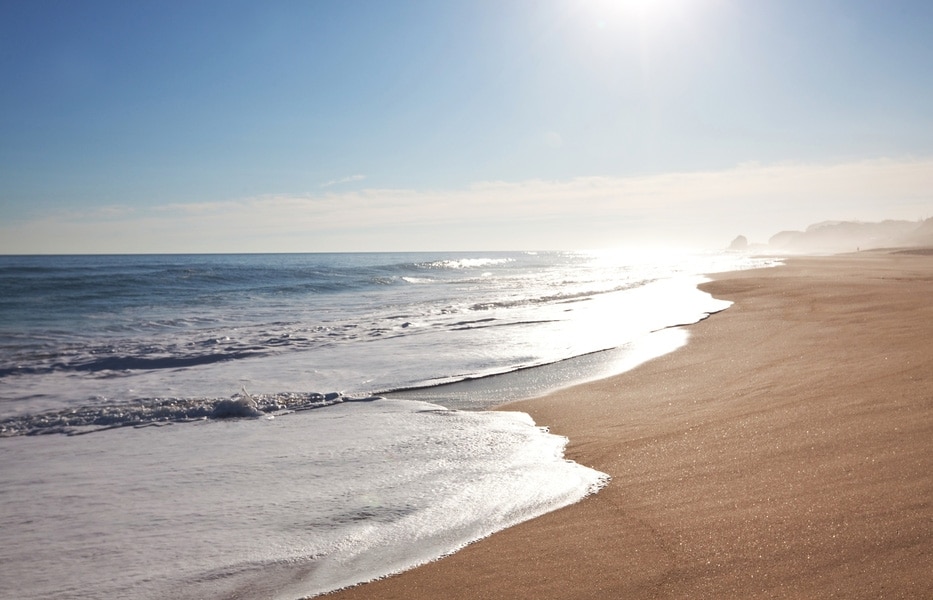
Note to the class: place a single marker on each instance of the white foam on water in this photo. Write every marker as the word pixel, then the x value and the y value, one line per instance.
pixel 304 502
pixel 274 508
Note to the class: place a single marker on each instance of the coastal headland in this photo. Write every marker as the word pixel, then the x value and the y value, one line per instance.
pixel 785 452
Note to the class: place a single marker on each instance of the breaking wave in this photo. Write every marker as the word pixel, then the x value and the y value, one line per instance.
pixel 162 411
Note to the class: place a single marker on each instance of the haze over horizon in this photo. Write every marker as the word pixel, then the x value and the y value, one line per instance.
pixel 367 126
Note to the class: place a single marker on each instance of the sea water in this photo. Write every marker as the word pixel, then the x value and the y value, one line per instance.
pixel 214 425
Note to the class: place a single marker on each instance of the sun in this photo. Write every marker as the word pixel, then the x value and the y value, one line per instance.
pixel 646 12
pixel 653 23
pixel 649 7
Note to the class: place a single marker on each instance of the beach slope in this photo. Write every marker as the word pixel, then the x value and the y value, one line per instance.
pixel 786 451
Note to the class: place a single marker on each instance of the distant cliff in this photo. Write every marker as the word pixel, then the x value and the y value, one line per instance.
pixel 842 236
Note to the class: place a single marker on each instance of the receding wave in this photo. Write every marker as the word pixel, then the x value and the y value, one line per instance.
pixel 559 298
pixel 162 411
pixel 486 323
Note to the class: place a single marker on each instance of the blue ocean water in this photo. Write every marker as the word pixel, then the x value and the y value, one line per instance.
pixel 113 330
pixel 122 346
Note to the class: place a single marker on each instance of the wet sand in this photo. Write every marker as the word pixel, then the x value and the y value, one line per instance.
pixel 786 451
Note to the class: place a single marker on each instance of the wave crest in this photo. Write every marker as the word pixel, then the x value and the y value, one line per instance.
pixel 465 263
pixel 162 411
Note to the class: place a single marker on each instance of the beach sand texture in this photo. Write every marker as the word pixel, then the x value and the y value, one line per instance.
pixel 785 452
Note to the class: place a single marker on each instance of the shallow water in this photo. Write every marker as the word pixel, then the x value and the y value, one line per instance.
pixel 209 464
pixel 280 507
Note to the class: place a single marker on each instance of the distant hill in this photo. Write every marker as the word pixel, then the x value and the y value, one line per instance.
pixel 842 236
pixel 921 236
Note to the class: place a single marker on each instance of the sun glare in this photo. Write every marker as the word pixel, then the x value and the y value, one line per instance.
pixel 647 14
pixel 648 7
pixel 655 32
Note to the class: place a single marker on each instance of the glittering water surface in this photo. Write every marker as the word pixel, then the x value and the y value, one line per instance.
pixel 194 465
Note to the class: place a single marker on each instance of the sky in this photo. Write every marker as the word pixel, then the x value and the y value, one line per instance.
pixel 307 126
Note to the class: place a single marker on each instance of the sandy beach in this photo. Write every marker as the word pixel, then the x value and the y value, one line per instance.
pixel 786 451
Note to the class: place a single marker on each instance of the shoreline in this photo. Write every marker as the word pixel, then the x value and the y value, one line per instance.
pixel 784 451
pixel 486 392
pixel 634 346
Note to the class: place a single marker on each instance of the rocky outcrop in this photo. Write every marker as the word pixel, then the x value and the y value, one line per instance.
pixel 738 244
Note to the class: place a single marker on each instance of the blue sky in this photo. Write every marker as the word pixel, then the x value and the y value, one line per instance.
pixel 514 124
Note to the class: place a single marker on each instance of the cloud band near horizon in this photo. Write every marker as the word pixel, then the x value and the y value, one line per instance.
pixel 705 208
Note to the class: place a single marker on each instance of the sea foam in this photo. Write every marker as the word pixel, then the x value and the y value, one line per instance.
pixel 279 508
pixel 196 491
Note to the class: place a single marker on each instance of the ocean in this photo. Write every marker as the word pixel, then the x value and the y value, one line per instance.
pixel 283 425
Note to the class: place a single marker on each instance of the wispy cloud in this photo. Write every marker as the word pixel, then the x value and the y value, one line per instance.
pixel 349 179
pixel 707 208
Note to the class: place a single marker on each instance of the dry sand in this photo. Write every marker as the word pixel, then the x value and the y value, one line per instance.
pixel 787 451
